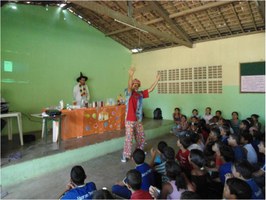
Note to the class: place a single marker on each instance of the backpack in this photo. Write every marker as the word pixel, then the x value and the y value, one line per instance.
pixel 157 114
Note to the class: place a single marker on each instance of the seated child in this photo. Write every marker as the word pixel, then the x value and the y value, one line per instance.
pixel 243 170
pixel 235 188
pixel 133 183
pixel 161 146
pixel 182 155
pixel 234 142
pixel 146 173
pixel 77 189
pixel 159 170
pixel 246 139
pixel 175 186
pixel 227 156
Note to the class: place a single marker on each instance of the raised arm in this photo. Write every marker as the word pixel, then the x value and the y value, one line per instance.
pixel 154 84
pixel 131 72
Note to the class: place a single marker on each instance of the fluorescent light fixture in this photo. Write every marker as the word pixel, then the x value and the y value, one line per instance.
pixel 62 5
pixel 14 7
pixel 80 16
pixel 70 10
pixel 28 2
pixel 136 50
pixel 88 22
pixel 124 23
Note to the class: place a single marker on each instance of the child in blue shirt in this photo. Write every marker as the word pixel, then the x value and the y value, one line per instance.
pixel 121 190
pixel 243 170
pixel 77 189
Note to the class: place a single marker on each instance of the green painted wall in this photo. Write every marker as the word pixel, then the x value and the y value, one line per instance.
pixel 48 49
pixel 228 53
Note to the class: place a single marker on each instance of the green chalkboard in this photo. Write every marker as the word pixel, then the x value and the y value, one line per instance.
pixel 252 77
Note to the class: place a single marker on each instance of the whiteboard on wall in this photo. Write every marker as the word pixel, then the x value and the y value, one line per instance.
pixel 252 77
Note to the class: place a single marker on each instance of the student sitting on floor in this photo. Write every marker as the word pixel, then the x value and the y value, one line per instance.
pixel 177 183
pixel 146 173
pixel 234 142
pixel 161 145
pixel 243 170
pixel 246 139
pixel 235 188
pixel 77 189
pixel 159 170
pixel 133 183
pixel 182 155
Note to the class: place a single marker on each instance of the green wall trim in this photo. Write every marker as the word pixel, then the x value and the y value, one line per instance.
pixel 20 172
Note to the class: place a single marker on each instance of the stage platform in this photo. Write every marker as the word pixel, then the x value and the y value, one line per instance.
pixel 20 163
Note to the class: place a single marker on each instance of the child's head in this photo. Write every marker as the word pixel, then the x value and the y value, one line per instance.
pixel 218 113
pixel 234 115
pixel 195 112
pixel 139 156
pixel 227 153
pixel 214 119
pixel 244 125
pixel 102 194
pixel 173 171
pixel 183 118
pixel 216 147
pixel 196 157
pixel 234 140
pixel 133 179
pixel 242 169
pixel 168 153
pixel 255 117
pixel 208 111
pixel 225 130
pixel 194 120
pixel 194 138
pixel 236 188
pixel 245 138
pixel 77 175
pixel 161 146
pixel 215 134
pixel 177 110
pixel 183 141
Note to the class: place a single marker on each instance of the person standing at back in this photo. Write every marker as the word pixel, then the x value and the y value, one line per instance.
pixel 81 91
pixel 134 100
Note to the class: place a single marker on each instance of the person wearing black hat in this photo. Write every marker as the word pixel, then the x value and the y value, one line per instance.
pixel 81 90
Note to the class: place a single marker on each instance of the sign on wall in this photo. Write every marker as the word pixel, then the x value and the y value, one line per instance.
pixel 252 77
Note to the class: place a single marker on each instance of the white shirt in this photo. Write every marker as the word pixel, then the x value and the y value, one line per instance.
pixel 78 90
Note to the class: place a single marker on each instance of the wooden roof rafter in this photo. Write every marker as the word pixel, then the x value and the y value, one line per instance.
pixel 238 20
pixel 104 10
pixel 198 21
pixel 225 21
pixel 162 12
pixel 252 16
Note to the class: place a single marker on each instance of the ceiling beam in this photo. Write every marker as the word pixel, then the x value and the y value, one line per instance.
pixel 165 15
pixel 179 14
pixel 103 10
pixel 252 16
pixel 200 8
pixel 238 20
pixel 128 28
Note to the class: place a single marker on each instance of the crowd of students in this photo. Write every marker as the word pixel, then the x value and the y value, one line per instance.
pixel 216 159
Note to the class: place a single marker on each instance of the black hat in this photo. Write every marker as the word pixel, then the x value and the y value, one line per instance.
pixel 81 76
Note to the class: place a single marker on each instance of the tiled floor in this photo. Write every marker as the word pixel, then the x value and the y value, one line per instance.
pixel 104 171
